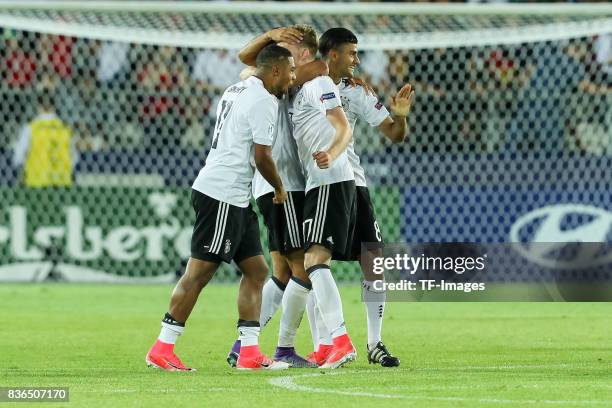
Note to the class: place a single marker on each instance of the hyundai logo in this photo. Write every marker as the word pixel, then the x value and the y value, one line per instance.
pixel 543 231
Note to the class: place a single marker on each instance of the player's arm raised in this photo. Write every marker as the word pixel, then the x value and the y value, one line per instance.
pixel 248 53
pixel 303 73
pixel 342 138
pixel 395 127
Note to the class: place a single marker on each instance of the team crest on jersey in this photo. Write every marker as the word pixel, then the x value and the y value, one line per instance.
pixel 326 96
pixel 228 246
pixel 378 105
pixel 346 104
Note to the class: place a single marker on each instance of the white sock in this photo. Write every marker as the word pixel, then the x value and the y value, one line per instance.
pixel 248 335
pixel 311 312
pixel 325 337
pixel 375 309
pixel 271 297
pixel 294 303
pixel 328 300
pixel 170 332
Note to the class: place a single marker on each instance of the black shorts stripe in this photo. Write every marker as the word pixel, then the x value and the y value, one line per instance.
pixel 297 221
pixel 312 230
pixel 324 213
pixel 292 224
pixel 329 217
pixel 216 233
pixel 223 232
pixel 220 227
pixel 287 210
pixel 284 223
pixel 319 221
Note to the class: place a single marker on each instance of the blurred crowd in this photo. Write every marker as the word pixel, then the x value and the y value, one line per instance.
pixel 551 95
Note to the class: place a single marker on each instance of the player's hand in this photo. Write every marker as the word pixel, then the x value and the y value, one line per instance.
pixel 402 101
pixel 358 81
pixel 279 196
pixel 323 159
pixel 285 34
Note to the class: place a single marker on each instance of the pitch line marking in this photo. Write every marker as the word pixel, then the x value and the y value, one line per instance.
pixel 288 382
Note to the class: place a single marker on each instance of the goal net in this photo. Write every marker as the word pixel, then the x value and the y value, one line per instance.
pixel 510 136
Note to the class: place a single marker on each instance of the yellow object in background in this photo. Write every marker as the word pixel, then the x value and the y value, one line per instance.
pixel 49 159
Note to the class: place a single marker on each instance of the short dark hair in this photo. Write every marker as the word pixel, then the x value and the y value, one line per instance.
pixel 334 38
pixel 270 55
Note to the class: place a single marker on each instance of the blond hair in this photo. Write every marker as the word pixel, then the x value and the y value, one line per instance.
pixel 310 39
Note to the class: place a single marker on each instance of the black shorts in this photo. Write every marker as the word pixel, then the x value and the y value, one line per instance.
pixel 367 229
pixel 329 218
pixel 284 222
pixel 223 232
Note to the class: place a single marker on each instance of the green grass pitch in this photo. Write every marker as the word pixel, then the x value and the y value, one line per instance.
pixel 93 339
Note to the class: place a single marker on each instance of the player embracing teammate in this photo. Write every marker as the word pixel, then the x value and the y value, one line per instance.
pixel 327 215
pixel 338 47
pixel 226 226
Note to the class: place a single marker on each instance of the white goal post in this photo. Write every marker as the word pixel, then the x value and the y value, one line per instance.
pixel 578 20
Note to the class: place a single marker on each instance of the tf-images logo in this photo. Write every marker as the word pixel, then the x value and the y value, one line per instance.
pixel 541 233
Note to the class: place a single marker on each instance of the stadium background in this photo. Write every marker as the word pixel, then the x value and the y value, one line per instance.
pixel 513 114
pixel 510 129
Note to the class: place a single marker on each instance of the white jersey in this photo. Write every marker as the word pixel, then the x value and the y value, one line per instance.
pixel 313 132
pixel 285 155
pixel 246 114
pixel 357 103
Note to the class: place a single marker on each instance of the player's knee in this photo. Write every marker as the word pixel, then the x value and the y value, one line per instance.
pixel 298 270
pixel 254 269
pixel 369 275
pixel 199 272
pixel 316 255
pixel 366 261
pixel 280 268
pixel 301 275
pixel 257 276
pixel 283 275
